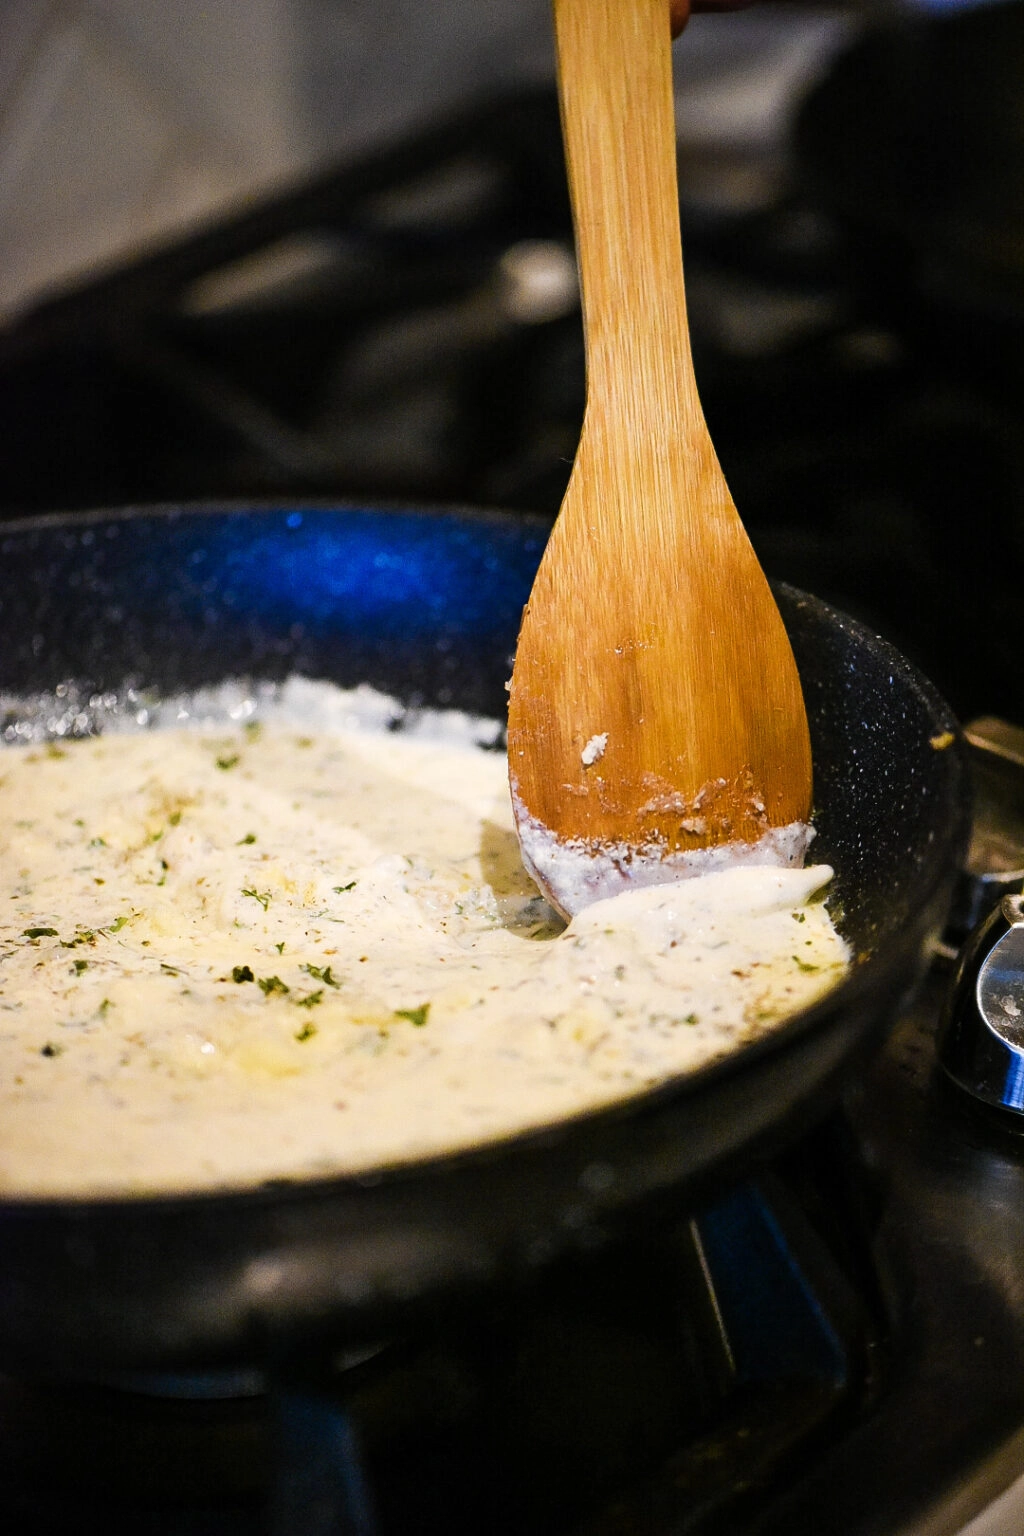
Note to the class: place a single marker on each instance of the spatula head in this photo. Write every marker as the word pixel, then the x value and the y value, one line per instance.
pixel 656 722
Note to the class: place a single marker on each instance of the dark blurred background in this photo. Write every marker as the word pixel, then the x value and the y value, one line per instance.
pixel 325 251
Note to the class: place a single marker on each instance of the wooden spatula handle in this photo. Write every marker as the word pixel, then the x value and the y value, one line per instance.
pixel 615 72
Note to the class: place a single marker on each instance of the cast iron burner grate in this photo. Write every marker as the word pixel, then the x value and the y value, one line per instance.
pixel 703 1362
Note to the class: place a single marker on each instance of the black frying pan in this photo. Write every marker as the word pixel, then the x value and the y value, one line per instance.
pixel 426 606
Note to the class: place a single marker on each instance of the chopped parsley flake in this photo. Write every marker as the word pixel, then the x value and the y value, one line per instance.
pixel 49 1049
pixel 802 965
pixel 225 763
pixel 338 889
pixel 269 984
pixel 320 973
pixel 417 1016
pixel 307 1031
pixel 263 897
pixel 250 837
pixel 119 922
pixel 39 933
pixel 242 973
pixel 311 1000
pixel 280 947
pixel 800 917
pixel 80 966
pixel 82 936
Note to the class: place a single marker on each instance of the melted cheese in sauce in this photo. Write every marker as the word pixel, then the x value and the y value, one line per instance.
pixel 231 955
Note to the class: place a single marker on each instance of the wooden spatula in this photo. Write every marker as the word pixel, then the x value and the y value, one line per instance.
pixel 656 721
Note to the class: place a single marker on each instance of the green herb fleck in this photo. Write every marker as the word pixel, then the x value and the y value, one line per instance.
pixel 169 970
pixel 80 966
pixel 307 1031
pixel 39 933
pixel 253 729
pixel 338 889
pixel 280 947
pixel 417 1016
pixel 174 818
pixel 800 917
pixel 691 1018
pixel 269 984
pixel 54 751
pixel 104 1007
pixel 97 842
pixel 242 973
pixel 311 1000
pixel 225 763
pixel 250 837
pixel 119 922
pixel 802 965
pixel 82 936
pixel 320 973
pixel 263 897
pixel 49 1049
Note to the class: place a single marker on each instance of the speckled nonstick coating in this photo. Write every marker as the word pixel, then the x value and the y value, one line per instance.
pixel 425 604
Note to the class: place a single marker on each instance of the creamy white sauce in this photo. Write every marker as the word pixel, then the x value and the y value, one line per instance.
pixel 594 750
pixel 573 874
pixel 233 953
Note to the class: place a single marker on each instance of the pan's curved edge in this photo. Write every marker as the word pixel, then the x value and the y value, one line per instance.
pixel 217 1277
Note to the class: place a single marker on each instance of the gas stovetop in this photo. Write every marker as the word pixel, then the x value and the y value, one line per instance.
pixel 835 1346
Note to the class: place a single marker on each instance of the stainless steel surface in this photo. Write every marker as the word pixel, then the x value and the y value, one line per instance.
pixel 995 859
pixel 982 1044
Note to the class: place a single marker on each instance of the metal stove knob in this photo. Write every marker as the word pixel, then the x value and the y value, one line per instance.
pixel 982 1040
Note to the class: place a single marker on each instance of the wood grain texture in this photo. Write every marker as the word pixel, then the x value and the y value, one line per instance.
pixel 650 621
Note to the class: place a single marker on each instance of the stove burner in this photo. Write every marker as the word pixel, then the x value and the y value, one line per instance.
pixel 712 1352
